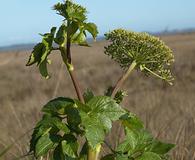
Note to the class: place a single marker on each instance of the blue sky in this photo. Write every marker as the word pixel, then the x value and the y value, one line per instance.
pixel 22 20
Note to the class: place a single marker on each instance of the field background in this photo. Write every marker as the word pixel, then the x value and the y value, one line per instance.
pixel 167 111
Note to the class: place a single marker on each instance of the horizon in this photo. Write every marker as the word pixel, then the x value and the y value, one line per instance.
pixel 135 15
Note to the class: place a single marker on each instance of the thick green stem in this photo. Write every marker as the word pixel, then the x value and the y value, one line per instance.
pixel 123 78
pixel 93 154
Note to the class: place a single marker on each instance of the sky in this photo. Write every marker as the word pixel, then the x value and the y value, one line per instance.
pixel 22 20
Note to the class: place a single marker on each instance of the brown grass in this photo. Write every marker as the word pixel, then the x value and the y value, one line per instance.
pixel 167 111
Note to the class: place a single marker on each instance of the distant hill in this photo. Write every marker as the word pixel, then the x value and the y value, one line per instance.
pixel 17 47
pixel 21 47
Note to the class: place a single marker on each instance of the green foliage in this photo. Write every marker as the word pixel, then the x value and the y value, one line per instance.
pixel 73 30
pixel 150 54
pixel 90 117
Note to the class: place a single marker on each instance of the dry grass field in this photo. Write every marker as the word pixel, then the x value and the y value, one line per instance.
pixel 168 111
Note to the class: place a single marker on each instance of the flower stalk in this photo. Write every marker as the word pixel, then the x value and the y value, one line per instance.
pixel 122 79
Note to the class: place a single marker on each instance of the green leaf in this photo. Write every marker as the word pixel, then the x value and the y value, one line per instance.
pixel 149 156
pixel 72 28
pixel 135 140
pixel 109 157
pixel 57 106
pixel 41 51
pixel 47 125
pixel 98 121
pixel 46 143
pixel 73 119
pixel 88 95
pixel 37 52
pixel 61 36
pixel 103 105
pixel 58 154
pixel 94 130
pixel 43 69
pixel 70 145
pixel 68 150
pixel 160 148
pixel 131 121
pixel 92 29
pixel 80 39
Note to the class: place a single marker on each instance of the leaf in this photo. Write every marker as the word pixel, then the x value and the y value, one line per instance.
pixel 88 94
pixel 57 105
pixel 94 130
pixel 68 150
pixel 103 105
pixel 92 29
pixel 73 119
pixel 45 143
pixel 109 157
pixel 36 54
pixel 160 148
pixel 58 154
pixel 135 140
pixel 80 39
pixel 41 51
pixel 61 36
pixel 72 28
pixel 98 121
pixel 47 125
pixel 149 156
pixel 131 121
pixel 43 69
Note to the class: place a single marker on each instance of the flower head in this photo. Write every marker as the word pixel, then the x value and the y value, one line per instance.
pixel 151 54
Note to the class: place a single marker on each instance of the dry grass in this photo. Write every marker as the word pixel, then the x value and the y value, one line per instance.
pixel 167 111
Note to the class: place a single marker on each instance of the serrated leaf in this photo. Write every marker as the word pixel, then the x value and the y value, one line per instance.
pixel 160 147
pixel 36 54
pixel 135 140
pixel 149 156
pixel 45 143
pixel 94 130
pixel 103 105
pixel 47 125
pixel 92 29
pixel 99 119
pixel 57 105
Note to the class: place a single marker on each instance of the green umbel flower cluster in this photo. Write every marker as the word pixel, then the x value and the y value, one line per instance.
pixel 149 53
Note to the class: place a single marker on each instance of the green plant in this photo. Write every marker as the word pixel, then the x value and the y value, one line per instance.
pixel 76 128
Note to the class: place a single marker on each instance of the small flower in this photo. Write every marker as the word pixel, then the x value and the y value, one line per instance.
pixel 149 53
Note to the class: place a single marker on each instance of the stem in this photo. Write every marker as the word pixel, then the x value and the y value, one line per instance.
pixel 123 78
pixel 66 55
pixel 76 86
pixel 93 154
